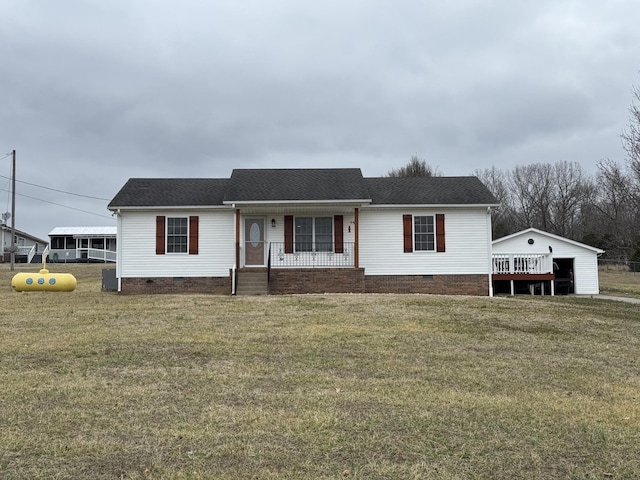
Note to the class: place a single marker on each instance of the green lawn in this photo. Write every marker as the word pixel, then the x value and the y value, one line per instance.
pixel 101 385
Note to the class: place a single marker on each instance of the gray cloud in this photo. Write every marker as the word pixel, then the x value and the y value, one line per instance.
pixel 96 92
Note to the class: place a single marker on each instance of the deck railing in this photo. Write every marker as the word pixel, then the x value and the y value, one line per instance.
pixel 522 264
pixel 314 255
pixel 98 254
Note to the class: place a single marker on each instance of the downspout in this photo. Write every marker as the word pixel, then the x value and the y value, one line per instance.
pixel 234 270
pixel 118 249
pixel 238 238
pixel 490 247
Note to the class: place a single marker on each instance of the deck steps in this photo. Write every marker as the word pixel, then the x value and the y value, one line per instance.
pixel 252 282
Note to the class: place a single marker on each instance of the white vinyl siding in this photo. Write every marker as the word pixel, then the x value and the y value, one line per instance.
pixel 137 252
pixel 467 241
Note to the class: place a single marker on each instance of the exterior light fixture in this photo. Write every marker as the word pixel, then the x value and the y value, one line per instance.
pixel 273 223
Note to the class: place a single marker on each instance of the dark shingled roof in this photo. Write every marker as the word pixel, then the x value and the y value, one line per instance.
pixel 308 184
pixel 301 185
pixel 429 191
pixel 170 192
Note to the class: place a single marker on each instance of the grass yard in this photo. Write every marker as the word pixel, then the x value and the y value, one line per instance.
pixel 619 282
pixel 100 385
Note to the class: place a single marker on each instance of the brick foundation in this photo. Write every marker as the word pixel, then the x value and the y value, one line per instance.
pixel 214 285
pixel 433 284
pixel 316 280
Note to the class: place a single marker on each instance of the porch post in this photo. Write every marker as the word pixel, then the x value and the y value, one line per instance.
pixel 356 257
pixel 237 238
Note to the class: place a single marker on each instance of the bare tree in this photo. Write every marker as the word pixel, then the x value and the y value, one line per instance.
pixel 503 221
pixel 615 220
pixel 631 136
pixel 414 168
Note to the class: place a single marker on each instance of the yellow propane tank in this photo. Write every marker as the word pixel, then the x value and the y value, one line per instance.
pixel 44 281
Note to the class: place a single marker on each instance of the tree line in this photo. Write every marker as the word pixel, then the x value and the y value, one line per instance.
pixel 601 209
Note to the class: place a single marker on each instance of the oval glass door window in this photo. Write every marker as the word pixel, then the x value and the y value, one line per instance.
pixel 254 235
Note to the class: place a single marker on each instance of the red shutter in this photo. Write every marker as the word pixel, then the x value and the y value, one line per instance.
pixel 440 232
pixel 338 234
pixel 407 230
pixel 288 234
pixel 160 239
pixel 193 235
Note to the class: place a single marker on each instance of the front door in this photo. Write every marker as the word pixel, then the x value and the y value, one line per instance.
pixel 254 242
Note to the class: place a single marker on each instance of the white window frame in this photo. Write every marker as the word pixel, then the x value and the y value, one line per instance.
pixel 432 234
pixel 169 245
pixel 314 242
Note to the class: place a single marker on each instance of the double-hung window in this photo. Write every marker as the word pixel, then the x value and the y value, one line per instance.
pixel 424 233
pixel 177 234
pixel 313 234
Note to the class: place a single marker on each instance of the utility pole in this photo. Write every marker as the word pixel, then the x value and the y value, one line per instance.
pixel 13 209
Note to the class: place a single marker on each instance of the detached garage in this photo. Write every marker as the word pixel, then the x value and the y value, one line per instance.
pixel 574 265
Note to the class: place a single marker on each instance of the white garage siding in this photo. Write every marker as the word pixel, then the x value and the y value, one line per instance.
pixel 585 257
pixel 381 243
pixel 137 254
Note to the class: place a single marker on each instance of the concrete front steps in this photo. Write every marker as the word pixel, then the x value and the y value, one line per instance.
pixel 252 282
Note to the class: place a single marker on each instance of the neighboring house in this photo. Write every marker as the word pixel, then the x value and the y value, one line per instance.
pixel 304 231
pixel 82 244
pixel 28 247
pixel 532 259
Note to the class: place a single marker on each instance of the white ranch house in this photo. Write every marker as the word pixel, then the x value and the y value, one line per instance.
pixel 304 231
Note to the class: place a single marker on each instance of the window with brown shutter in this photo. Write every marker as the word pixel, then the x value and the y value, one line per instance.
pixel 338 234
pixel 288 234
pixel 160 232
pixel 440 246
pixel 407 229
pixel 193 235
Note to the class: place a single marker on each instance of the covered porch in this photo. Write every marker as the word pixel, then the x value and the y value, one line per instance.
pixel 297 248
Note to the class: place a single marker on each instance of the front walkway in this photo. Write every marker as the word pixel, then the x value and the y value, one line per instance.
pixel 611 297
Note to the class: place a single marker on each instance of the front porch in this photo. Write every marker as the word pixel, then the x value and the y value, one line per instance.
pixel 312 255
pixel 530 271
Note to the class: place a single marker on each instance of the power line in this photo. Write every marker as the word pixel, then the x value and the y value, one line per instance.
pixel 59 191
pixel 60 205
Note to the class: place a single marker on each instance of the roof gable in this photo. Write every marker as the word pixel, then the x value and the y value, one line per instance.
pixel 548 235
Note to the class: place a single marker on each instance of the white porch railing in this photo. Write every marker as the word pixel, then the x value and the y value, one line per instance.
pixel 97 254
pixel 522 264
pixel 314 258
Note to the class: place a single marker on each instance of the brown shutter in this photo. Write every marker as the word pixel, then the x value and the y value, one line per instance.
pixel 288 234
pixel 160 239
pixel 338 234
pixel 440 232
pixel 193 235
pixel 407 230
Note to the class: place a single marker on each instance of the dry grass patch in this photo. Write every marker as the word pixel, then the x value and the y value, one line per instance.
pixel 99 385
pixel 620 282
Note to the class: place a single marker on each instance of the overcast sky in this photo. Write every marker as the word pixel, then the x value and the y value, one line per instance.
pixel 94 92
